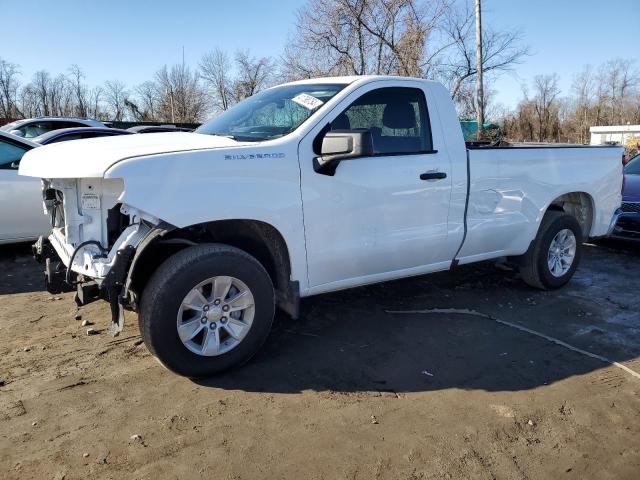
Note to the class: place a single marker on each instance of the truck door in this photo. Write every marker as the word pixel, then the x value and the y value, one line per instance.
pixel 382 216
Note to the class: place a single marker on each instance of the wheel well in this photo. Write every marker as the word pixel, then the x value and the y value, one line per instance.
pixel 258 239
pixel 578 204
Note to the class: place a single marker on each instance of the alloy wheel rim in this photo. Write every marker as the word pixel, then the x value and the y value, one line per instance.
pixel 215 316
pixel 562 252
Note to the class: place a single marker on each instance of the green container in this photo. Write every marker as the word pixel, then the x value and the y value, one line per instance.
pixel 470 129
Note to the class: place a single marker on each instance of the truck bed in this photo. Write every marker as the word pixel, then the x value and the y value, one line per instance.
pixel 510 188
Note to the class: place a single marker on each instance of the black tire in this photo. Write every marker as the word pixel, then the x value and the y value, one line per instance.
pixel 534 267
pixel 167 288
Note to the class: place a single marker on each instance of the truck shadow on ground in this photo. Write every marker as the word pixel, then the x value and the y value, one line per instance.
pixel 349 342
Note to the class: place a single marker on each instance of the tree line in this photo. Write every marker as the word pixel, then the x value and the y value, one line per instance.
pixel 605 95
pixel 177 93
pixel 433 39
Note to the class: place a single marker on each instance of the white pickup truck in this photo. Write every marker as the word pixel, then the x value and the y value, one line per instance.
pixel 304 188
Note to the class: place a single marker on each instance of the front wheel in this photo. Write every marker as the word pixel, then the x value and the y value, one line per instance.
pixel 555 253
pixel 207 309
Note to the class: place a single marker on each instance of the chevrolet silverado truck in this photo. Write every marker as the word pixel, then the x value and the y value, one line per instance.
pixel 305 188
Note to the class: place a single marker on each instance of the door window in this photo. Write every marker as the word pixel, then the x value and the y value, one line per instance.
pixel 397 118
pixel 10 155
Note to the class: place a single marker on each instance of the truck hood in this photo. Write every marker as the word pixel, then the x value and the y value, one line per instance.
pixel 93 157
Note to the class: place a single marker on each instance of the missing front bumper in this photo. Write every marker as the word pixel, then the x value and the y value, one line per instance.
pixel 110 289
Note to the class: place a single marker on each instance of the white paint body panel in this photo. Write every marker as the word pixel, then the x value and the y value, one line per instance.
pixel 374 220
pixel 91 157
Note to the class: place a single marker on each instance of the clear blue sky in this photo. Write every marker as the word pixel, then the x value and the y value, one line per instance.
pixel 130 40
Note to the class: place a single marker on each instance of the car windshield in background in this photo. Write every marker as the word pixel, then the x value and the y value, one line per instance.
pixel 633 167
pixel 271 114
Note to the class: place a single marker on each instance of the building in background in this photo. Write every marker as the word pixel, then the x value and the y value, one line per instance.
pixel 614 135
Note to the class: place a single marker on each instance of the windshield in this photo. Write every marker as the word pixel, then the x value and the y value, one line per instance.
pixel 272 113
pixel 633 167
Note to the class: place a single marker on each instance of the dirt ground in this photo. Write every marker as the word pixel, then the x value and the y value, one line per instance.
pixel 348 391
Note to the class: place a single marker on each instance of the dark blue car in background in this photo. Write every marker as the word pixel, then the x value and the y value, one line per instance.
pixel 628 224
pixel 66 134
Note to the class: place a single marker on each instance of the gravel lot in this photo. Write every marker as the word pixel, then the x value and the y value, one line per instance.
pixel 349 391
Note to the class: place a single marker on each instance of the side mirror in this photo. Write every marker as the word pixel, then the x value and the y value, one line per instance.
pixel 17 133
pixel 338 145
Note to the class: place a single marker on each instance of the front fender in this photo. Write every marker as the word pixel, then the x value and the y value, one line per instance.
pixel 190 188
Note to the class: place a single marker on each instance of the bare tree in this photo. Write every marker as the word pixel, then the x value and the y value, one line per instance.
pixel 41 85
pixel 144 104
pixel 47 95
pixel 430 39
pixel 583 88
pixel 62 96
pixel 9 86
pixel 28 101
pixel 181 96
pixel 94 103
pixel 607 95
pixel 252 75
pixel 215 70
pixel 358 37
pixel 539 117
pixel 466 100
pixel 620 81
pixel 116 94
pixel 80 91
pixel 545 105
pixel 454 62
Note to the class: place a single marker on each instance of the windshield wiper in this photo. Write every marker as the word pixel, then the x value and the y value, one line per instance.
pixel 225 135
pixel 239 138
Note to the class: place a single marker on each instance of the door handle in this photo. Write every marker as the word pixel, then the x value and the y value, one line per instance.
pixel 433 176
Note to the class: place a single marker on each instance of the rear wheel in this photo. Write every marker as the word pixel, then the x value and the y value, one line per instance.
pixel 207 309
pixel 555 253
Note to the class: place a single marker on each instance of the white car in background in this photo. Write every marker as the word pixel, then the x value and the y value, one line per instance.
pixel 34 127
pixel 21 214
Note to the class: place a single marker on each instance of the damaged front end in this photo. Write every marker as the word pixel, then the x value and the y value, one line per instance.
pixel 93 242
